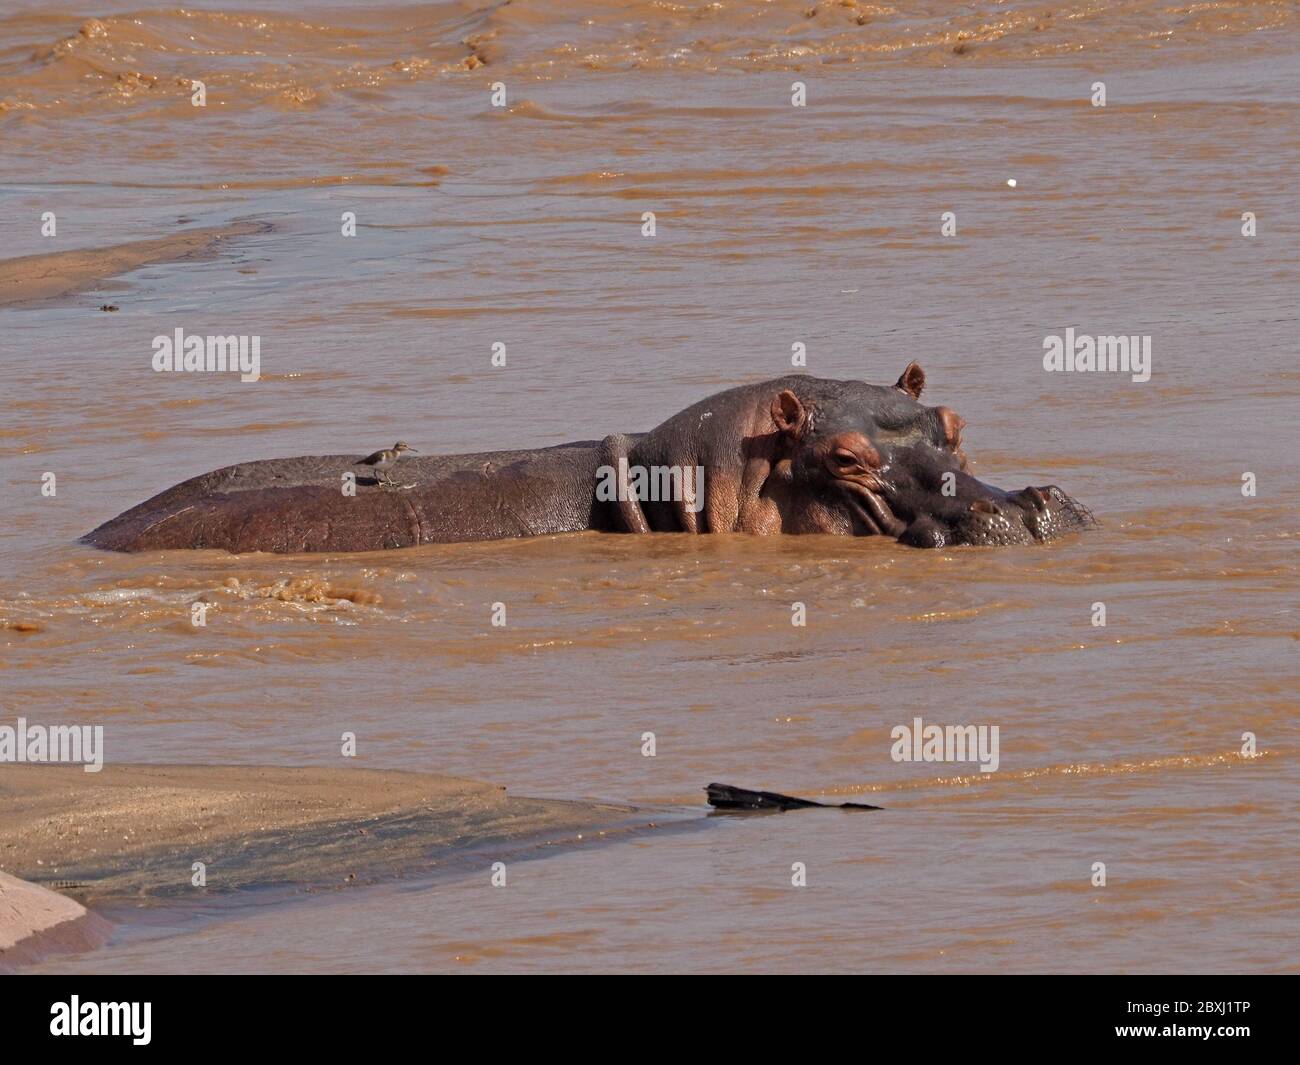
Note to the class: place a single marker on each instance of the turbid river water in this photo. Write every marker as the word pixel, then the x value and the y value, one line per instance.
pixel 775 225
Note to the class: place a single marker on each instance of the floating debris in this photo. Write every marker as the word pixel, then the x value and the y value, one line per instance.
pixel 727 797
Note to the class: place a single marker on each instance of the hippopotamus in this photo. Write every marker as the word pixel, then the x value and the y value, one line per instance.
pixel 798 454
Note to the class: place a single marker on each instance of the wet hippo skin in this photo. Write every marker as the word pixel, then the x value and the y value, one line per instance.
pixel 798 454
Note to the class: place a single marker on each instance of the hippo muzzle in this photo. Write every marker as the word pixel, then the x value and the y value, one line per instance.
pixel 1000 519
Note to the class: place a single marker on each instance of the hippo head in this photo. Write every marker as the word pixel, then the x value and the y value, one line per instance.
pixel 877 462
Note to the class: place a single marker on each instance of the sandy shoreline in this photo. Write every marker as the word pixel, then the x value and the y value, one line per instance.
pixel 136 831
pixel 33 278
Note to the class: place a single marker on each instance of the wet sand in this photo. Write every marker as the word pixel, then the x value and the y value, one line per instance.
pixel 134 832
pixel 58 275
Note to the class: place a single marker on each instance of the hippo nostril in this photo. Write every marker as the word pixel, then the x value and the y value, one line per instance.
pixel 1034 497
pixel 983 506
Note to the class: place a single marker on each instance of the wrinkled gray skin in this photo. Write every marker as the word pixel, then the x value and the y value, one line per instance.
pixel 796 455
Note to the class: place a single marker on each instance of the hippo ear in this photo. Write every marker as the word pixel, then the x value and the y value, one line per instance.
pixel 789 414
pixel 912 381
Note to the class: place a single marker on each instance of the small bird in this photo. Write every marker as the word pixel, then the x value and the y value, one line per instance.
pixel 383 461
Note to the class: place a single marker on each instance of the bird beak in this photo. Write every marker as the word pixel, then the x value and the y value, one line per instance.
pixel 411 449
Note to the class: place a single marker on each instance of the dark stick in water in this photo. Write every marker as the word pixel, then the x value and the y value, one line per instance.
pixel 726 797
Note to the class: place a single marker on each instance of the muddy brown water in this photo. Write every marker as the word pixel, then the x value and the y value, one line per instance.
pixel 775 225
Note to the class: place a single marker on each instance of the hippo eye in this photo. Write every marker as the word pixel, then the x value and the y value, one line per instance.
pixel 845 457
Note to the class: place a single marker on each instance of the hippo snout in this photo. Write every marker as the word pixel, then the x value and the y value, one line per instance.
pixel 1048 512
pixel 1034 514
